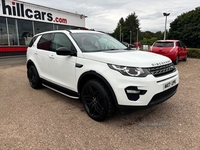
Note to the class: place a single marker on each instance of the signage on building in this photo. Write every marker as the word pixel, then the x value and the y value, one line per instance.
pixel 22 10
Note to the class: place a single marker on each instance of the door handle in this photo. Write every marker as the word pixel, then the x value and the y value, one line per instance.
pixel 51 56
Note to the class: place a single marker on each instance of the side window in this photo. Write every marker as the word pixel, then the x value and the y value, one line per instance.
pixel 45 42
pixel 61 40
pixel 178 44
pixel 182 45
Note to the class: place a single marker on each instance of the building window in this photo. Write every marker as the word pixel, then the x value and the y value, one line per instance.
pixel 63 27
pixel 3 32
pixel 41 27
pixel 25 30
pixel 12 29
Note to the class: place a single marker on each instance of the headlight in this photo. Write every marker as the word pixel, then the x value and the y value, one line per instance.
pixel 130 71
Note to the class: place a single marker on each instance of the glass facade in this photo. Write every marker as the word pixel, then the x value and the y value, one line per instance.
pixel 20 32
pixel 3 32
pixel 41 27
pixel 12 30
pixel 25 31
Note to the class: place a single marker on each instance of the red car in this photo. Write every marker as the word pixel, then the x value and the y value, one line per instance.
pixel 174 49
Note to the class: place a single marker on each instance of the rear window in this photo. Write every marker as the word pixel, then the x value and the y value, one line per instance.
pixel 164 44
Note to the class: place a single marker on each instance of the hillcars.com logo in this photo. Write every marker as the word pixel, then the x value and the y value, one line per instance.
pixel 18 9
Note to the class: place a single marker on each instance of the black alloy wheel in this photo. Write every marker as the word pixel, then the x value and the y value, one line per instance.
pixel 176 60
pixel 186 56
pixel 97 101
pixel 34 78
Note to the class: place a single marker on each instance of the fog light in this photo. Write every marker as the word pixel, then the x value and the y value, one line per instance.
pixel 133 93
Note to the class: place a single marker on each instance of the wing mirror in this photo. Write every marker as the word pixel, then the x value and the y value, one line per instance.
pixel 63 51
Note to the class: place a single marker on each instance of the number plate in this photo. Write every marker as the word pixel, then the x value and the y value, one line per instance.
pixel 169 84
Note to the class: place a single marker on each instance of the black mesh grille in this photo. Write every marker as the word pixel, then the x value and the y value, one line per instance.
pixel 162 70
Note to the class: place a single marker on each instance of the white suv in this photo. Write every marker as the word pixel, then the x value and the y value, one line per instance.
pixel 99 70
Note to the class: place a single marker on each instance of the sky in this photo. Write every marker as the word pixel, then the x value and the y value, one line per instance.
pixel 104 15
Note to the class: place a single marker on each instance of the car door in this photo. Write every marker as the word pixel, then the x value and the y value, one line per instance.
pixel 180 50
pixel 62 68
pixel 42 54
pixel 184 50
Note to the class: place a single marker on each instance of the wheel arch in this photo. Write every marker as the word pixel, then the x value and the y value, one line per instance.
pixel 94 75
pixel 29 63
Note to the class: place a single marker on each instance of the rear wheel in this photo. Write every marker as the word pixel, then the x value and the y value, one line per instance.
pixel 186 56
pixel 34 78
pixel 176 60
pixel 97 101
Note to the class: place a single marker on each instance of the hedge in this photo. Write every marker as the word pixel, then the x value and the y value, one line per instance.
pixel 193 52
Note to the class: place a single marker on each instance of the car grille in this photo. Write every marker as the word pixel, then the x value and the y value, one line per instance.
pixel 162 70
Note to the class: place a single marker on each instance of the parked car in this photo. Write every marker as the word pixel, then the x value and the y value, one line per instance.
pixel 174 49
pixel 130 46
pixel 100 71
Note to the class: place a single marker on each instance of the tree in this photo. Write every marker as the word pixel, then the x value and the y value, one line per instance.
pixel 128 27
pixel 186 27
pixel 131 23
pixel 159 35
pixel 116 33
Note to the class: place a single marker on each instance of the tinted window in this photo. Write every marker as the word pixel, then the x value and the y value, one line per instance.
pixel 45 42
pixel 164 44
pixel 61 40
pixel 178 44
pixel 182 45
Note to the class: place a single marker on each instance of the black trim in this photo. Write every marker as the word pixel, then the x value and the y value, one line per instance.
pixel 79 65
pixel 60 88
pixel 166 79
pixel 68 30
pixel 12 53
pixel 163 96
pixel 157 99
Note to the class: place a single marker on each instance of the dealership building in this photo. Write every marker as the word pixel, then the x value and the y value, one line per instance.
pixel 20 21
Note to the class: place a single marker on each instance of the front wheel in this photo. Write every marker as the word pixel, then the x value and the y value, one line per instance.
pixel 97 100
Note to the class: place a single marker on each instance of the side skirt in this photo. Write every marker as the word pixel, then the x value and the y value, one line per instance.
pixel 60 89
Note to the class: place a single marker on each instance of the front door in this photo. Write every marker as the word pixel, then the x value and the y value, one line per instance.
pixel 62 68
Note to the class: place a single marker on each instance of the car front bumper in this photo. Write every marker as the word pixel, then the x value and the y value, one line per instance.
pixel 143 92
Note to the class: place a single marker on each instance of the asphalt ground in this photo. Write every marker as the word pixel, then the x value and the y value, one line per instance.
pixel 45 120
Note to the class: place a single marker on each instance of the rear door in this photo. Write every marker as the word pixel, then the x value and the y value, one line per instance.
pixel 184 50
pixel 42 54
pixel 181 50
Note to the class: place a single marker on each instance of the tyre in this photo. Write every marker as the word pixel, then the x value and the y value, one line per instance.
pixel 34 78
pixel 176 60
pixel 97 101
pixel 186 56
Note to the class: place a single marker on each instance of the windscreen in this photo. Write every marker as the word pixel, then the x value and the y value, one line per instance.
pixel 94 42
